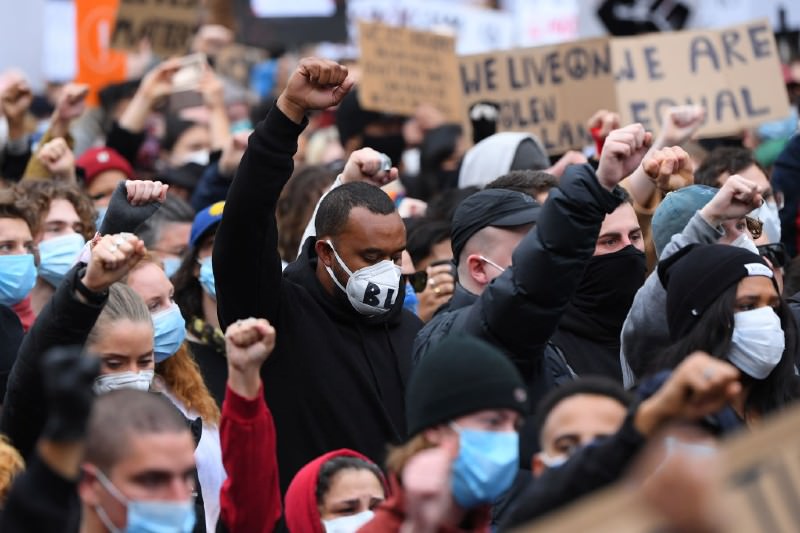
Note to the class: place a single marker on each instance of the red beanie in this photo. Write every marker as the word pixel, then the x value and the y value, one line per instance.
pixel 97 160
pixel 301 509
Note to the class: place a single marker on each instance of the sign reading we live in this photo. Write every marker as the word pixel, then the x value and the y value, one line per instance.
pixel 168 24
pixel 550 91
pixel 402 68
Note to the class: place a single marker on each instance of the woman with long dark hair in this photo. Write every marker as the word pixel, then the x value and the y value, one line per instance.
pixel 723 300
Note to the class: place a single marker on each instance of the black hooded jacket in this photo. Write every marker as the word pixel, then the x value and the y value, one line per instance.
pixel 336 379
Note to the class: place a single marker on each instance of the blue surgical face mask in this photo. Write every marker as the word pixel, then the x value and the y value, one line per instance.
pixel 101 215
pixel 146 516
pixel 169 331
pixel 171 265
pixel 57 255
pixel 17 278
pixel 207 277
pixel 486 465
pixel 411 302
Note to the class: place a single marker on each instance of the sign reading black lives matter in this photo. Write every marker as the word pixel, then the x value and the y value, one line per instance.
pixel 551 91
pixel 168 24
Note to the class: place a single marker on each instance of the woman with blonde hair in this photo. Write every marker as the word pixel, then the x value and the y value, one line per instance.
pixel 178 377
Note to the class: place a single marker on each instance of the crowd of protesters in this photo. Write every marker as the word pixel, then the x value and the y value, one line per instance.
pixel 294 314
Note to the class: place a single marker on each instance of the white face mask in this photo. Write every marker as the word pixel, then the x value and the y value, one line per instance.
pixel 758 342
pixel 348 524
pixel 199 157
pixel 123 380
pixel 371 290
pixel 768 214
pixel 552 461
pixel 745 242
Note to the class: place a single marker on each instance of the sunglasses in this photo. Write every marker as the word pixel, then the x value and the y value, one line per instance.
pixel 776 253
pixel 754 226
pixel 418 280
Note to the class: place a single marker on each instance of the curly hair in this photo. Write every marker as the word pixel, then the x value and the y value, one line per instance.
pixel 182 375
pixel 42 193
pixel 14 204
pixel 11 465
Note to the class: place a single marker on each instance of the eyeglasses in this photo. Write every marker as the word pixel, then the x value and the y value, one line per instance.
pixel 754 226
pixel 418 280
pixel 776 253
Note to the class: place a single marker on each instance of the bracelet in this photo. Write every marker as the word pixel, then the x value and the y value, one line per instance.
pixel 92 297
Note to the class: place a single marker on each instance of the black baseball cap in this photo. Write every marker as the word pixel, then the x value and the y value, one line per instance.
pixel 500 208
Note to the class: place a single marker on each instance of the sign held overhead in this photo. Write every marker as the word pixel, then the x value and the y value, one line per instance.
pixel 403 68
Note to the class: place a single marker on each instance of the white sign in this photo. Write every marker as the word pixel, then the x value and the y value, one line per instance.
pixel 476 30
pixel 293 8
pixel 540 22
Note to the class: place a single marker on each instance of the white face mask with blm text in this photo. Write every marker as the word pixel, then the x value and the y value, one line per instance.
pixel 371 290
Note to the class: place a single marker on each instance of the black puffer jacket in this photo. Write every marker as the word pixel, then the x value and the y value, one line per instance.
pixel 336 379
pixel 519 311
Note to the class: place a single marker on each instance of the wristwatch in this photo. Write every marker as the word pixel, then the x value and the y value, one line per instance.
pixel 92 297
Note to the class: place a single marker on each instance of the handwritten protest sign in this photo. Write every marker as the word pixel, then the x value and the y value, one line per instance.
pixel 733 72
pixel 403 68
pixel 168 25
pixel 760 489
pixel 550 91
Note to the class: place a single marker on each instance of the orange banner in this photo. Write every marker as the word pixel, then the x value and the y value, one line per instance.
pixel 98 64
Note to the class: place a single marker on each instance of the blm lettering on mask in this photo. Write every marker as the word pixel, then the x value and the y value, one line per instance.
pixel 371 294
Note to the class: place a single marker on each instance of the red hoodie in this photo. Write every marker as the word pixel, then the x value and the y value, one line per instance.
pixel 302 511
pixel 250 499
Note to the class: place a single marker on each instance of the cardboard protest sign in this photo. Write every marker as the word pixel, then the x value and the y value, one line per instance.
pixel 733 72
pixel 168 24
pixel 549 91
pixel 760 489
pixel 402 68
pixel 476 29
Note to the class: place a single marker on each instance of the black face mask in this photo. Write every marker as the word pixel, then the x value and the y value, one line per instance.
pixel 605 295
pixel 391 145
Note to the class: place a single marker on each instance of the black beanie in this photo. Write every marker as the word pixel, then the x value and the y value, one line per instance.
pixel 461 375
pixel 697 275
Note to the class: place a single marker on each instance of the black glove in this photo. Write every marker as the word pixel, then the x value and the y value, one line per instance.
pixel 68 376
pixel 122 217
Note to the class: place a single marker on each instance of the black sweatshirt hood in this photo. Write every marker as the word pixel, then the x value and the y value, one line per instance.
pixel 303 271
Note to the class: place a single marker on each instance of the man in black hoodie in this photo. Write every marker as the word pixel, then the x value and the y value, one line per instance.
pixel 337 376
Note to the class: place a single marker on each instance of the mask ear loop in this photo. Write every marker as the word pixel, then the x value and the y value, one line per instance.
pixel 341 263
pixel 117 495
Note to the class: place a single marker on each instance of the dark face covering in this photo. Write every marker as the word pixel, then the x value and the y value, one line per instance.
pixel 605 295
pixel 391 145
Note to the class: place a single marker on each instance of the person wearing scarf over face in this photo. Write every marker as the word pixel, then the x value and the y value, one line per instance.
pixel 464 403
pixel 588 333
